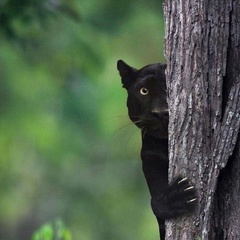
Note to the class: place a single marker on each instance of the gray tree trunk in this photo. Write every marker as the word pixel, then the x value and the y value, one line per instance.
pixel 202 49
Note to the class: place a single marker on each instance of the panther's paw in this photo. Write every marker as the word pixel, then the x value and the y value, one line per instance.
pixel 178 199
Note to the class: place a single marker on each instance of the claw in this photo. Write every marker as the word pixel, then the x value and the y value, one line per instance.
pixel 189 188
pixel 192 200
pixel 182 180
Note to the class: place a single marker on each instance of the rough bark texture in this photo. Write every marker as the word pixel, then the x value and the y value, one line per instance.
pixel 202 49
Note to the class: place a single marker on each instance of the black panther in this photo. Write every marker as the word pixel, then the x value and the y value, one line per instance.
pixel 148 110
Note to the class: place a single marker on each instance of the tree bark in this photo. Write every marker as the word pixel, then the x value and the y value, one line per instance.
pixel 202 50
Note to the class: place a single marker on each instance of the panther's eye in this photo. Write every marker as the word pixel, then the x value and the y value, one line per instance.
pixel 144 91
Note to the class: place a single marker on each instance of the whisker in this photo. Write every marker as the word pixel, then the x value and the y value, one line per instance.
pixel 128 124
pixel 125 125
pixel 115 117
pixel 121 116
pixel 144 130
pixel 135 116
pixel 139 121
pixel 132 135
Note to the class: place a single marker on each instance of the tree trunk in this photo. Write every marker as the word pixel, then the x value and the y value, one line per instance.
pixel 202 49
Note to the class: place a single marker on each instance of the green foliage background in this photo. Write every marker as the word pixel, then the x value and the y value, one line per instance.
pixel 63 151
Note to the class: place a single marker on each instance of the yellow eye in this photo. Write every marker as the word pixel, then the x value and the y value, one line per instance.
pixel 144 91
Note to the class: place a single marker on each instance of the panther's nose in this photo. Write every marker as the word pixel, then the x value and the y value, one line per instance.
pixel 160 113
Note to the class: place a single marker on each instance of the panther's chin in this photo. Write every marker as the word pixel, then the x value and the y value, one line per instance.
pixel 156 131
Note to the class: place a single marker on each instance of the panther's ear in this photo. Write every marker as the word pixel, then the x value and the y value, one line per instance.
pixel 127 73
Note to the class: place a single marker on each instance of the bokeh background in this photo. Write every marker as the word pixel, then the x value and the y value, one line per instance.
pixel 67 148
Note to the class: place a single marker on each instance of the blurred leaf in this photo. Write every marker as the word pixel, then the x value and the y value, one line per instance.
pixel 15 13
pixel 69 9
pixel 52 231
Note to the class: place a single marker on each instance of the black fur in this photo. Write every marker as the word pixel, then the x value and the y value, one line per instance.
pixel 148 109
